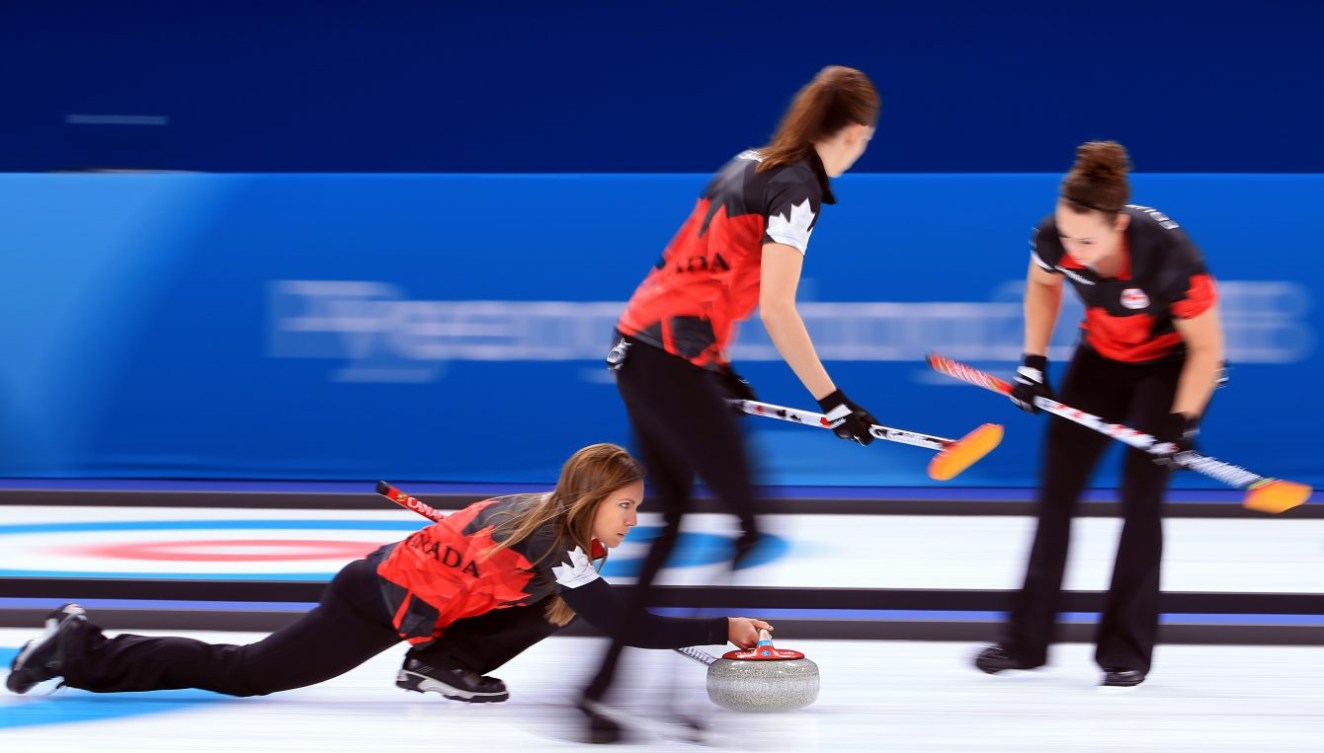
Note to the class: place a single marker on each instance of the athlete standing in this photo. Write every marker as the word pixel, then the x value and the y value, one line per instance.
pixel 743 245
pixel 1150 356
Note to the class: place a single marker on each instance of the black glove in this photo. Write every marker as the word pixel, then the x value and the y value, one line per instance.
pixel 1180 430
pixel 734 386
pixel 848 420
pixel 1031 382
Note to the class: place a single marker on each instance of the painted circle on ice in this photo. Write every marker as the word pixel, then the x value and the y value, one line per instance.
pixel 69 706
pixel 276 549
pixel 61 549
pixel 229 550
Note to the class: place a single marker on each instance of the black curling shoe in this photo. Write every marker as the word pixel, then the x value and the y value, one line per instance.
pixel 455 684
pixel 1122 678
pixel 995 659
pixel 601 729
pixel 42 656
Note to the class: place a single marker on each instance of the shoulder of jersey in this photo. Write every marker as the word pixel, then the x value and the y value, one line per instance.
pixel 799 169
pixel 1152 216
pixel 1045 231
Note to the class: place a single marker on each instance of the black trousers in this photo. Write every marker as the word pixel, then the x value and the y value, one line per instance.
pixel 683 427
pixel 1139 396
pixel 484 643
pixel 348 627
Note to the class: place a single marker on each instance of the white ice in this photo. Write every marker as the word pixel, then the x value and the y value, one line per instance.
pixel 876 696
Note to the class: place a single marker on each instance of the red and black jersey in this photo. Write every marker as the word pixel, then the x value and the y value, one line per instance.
pixel 708 277
pixel 448 571
pixel 1130 317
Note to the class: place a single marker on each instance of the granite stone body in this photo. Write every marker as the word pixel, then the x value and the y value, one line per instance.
pixel 763 685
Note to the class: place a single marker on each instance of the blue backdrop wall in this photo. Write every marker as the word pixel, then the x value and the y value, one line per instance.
pixel 607 86
pixel 451 327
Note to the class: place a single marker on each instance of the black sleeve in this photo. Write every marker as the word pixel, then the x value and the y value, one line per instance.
pixel 607 611
pixel 791 204
pixel 1046 248
pixel 592 598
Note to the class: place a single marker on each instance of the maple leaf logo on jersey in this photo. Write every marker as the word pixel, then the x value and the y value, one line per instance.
pixel 578 573
pixel 794 230
pixel 510 591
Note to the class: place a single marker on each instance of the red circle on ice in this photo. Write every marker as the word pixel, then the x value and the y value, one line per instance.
pixel 231 550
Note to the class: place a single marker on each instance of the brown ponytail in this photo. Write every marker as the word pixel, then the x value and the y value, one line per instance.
pixel 1097 182
pixel 837 97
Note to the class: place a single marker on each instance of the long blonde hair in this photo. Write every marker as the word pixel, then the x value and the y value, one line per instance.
pixel 587 478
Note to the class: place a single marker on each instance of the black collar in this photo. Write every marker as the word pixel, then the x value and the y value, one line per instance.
pixel 816 164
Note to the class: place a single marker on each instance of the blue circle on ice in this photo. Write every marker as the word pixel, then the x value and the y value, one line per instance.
pixel 74 706
pixel 692 550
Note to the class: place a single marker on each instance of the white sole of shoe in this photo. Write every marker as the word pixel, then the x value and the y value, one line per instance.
pixel 423 684
pixel 51 629
pixel 49 633
pixel 1118 688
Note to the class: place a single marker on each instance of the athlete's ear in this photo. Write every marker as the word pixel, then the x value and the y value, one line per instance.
pixel 859 133
pixel 1122 222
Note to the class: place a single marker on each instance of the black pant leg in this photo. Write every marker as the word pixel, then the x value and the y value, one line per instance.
pixel 1070 454
pixel 482 644
pixel 682 411
pixel 1128 627
pixel 671 477
pixel 349 627
pixel 719 457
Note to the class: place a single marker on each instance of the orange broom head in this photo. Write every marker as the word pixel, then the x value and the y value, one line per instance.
pixel 965 452
pixel 1276 496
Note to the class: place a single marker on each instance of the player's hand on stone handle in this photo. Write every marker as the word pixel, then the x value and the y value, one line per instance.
pixel 744 631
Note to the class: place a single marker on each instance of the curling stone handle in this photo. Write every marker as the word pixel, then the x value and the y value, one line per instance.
pixel 765 638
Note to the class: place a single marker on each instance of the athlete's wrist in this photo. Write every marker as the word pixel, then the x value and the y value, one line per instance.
pixel 1034 360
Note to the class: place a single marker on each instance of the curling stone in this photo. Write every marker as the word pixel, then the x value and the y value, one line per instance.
pixel 764 679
